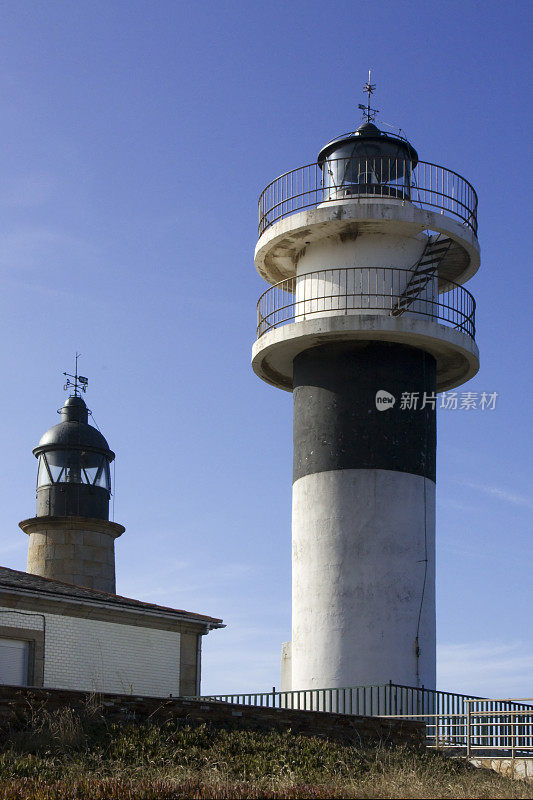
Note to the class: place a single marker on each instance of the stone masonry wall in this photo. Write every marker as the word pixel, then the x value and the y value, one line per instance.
pixel 84 558
pixel 15 704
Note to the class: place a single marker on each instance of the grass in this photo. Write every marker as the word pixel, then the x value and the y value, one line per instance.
pixel 69 754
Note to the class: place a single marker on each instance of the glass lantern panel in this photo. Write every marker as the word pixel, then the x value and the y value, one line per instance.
pixel 73 472
pixel 43 476
pixel 88 474
pixel 91 464
pixel 65 466
pixel 56 461
pixel 103 479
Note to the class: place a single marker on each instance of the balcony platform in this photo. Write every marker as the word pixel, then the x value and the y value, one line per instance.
pixel 283 242
pixel 455 351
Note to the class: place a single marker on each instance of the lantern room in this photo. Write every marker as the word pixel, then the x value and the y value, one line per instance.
pixel 73 476
pixel 367 162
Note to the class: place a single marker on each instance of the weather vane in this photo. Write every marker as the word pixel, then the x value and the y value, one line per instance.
pixel 369 112
pixel 80 383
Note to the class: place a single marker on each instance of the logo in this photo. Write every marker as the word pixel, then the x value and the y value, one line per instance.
pixel 384 400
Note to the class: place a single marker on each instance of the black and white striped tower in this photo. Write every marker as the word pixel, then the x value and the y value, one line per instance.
pixel 366 251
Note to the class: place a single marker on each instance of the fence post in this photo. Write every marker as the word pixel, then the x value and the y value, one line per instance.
pixel 468 727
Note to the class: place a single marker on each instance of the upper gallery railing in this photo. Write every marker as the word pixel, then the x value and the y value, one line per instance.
pixel 341 179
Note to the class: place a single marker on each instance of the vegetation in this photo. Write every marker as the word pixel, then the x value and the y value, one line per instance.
pixel 67 754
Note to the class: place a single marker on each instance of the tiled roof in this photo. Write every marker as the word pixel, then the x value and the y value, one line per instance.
pixel 13 579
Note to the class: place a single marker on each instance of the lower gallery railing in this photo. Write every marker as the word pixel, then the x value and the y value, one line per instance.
pixel 364 290
pixel 457 721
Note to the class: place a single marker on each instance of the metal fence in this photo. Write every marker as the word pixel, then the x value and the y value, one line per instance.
pixel 387 699
pixel 471 725
pixel 508 729
pixel 499 728
pixel 336 180
pixel 360 290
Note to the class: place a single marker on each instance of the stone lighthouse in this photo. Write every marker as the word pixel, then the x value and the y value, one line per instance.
pixel 71 538
pixel 366 251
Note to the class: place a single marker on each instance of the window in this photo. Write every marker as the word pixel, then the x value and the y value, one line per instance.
pixel 14 662
pixel 22 654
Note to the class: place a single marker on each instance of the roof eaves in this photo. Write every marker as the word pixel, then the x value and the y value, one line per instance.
pixel 145 610
pixel 97 597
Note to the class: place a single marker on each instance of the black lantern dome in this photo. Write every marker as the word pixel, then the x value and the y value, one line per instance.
pixel 73 477
pixel 367 162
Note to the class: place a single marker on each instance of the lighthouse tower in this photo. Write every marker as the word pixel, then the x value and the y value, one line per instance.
pixel 71 538
pixel 366 252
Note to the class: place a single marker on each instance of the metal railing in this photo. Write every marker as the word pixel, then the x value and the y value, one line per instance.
pixel 472 725
pixel 362 290
pixel 387 699
pixel 508 729
pixel 427 185
pixel 499 728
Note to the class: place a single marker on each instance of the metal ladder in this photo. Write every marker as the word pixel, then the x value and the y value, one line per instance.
pixel 423 271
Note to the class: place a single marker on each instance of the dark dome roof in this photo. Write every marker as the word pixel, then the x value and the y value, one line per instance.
pixel 77 434
pixel 73 430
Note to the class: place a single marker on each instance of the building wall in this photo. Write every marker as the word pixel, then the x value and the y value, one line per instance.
pixel 93 655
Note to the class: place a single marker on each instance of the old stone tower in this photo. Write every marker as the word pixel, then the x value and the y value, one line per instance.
pixel 71 538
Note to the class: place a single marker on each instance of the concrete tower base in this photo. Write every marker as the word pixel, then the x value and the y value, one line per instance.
pixel 360 542
pixel 363 518
pixel 77 550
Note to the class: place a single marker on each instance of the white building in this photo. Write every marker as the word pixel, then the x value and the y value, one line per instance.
pixel 61 624
pixel 62 636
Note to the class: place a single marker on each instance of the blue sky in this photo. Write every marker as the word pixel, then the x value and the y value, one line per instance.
pixel 135 139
